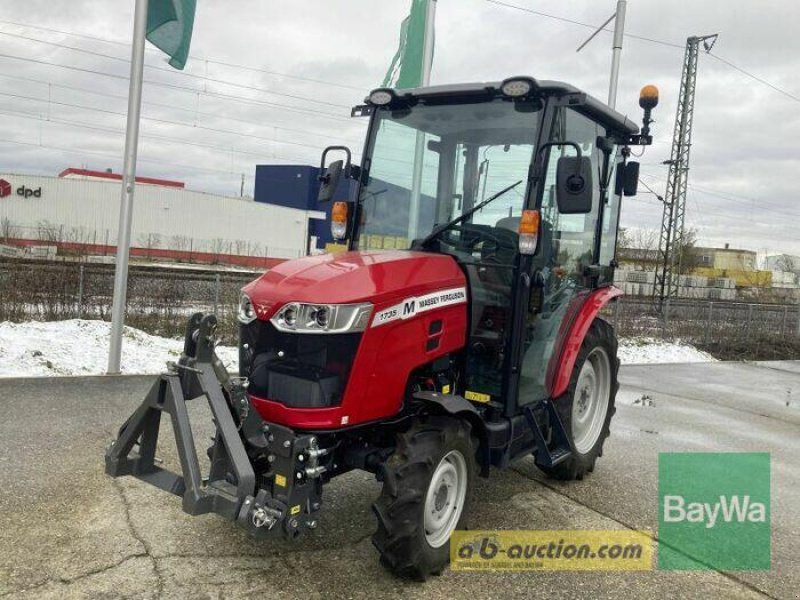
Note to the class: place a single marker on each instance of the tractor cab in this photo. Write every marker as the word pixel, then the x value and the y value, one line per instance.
pixel 520 183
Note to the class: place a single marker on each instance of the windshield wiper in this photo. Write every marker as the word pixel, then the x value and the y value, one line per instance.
pixel 441 228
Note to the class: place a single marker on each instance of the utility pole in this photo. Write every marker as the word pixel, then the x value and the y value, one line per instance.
pixel 671 240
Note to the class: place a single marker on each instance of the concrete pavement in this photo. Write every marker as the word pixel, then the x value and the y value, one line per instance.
pixel 66 530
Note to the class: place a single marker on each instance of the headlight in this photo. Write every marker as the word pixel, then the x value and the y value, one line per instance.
pixel 381 96
pixel 516 87
pixel 322 318
pixel 288 316
pixel 247 313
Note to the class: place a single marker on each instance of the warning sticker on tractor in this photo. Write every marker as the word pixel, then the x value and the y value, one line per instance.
pixel 410 307
pixel 477 396
pixel 280 480
pixel 295 510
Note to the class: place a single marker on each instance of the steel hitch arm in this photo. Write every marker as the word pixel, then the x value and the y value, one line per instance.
pixel 198 373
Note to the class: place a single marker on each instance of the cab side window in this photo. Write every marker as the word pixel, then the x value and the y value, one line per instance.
pixel 572 236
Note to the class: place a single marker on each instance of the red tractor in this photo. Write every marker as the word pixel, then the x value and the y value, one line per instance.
pixel 460 330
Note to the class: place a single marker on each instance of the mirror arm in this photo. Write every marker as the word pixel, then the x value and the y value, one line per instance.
pixel 550 144
pixel 344 149
pixel 573 144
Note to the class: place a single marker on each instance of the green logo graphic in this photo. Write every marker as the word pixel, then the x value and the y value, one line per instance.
pixel 714 510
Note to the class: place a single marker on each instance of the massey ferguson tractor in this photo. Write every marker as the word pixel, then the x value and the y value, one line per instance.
pixel 459 331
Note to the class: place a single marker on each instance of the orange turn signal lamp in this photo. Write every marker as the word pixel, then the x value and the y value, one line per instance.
pixel 339 220
pixel 529 231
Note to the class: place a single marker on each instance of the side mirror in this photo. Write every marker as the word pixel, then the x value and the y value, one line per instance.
pixel 574 188
pixel 627 182
pixel 329 180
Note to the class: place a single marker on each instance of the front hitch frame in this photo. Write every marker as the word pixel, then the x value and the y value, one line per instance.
pixel 283 495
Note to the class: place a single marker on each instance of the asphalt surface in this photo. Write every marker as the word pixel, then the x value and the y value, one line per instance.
pixel 67 530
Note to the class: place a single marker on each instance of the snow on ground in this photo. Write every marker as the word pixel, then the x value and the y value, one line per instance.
pixel 80 347
pixel 636 351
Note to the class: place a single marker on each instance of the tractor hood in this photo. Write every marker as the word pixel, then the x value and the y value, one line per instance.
pixel 350 277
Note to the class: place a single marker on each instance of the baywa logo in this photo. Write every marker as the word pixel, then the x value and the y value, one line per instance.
pixel 714 511
pixel 729 508
pixel 5 188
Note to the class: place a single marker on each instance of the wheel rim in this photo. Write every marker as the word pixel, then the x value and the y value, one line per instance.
pixel 444 501
pixel 590 404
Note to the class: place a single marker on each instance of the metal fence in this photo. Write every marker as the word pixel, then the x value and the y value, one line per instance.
pixel 703 321
pixel 160 299
pixel 729 330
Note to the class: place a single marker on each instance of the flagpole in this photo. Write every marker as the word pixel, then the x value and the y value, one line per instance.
pixel 427 65
pixel 128 183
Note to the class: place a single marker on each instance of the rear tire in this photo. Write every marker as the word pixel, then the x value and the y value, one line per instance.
pixel 425 496
pixel 587 406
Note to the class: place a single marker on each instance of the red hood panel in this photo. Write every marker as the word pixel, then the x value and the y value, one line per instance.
pixel 350 277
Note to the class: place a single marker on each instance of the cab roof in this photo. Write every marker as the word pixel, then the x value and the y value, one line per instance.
pixel 590 105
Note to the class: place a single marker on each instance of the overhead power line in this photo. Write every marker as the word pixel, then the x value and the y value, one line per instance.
pixel 755 77
pixel 183 88
pixel 163 138
pixel 162 121
pixel 178 73
pixel 580 23
pixel 731 197
pixel 189 168
pixel 197 58
pixel 192 111
pixel 643 38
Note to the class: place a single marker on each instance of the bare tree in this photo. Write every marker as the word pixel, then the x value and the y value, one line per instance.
pixel 179 242
pixel 47 232
pixel 639 248
pixel 7 229
pixel 254 249
pixel 787 263
pixel 149 241
pixel 241 247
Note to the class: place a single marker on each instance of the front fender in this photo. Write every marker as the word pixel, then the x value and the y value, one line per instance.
pixel 571 343
pixel 461 408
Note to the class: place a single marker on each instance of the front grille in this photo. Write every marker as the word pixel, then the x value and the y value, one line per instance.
pixel 298 370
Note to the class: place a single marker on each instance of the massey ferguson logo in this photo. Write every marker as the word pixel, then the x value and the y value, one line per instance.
pixel 24 191
pixel 413 306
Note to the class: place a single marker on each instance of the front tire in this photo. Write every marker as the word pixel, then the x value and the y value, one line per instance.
pixel 425 496
pixel 587 406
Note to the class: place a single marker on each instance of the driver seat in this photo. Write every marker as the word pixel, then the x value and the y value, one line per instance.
pixel 510 223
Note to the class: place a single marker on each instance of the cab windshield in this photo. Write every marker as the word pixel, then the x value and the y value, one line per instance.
pixel 431 163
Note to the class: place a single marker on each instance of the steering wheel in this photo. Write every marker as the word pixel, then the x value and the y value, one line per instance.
pixel 471 236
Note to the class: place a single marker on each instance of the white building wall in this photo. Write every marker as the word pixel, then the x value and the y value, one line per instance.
pixel 87 211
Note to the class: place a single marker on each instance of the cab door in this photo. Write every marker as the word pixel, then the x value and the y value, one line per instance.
pixel 568 247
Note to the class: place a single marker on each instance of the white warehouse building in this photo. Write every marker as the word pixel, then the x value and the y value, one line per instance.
pixel 79 211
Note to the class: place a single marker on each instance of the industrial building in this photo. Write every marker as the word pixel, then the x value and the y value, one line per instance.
pixel 78 212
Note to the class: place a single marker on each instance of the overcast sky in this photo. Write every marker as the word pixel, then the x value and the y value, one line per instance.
pixel 208 133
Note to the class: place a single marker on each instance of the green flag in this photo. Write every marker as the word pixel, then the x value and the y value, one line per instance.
pixel 407 65
pixel 169 28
